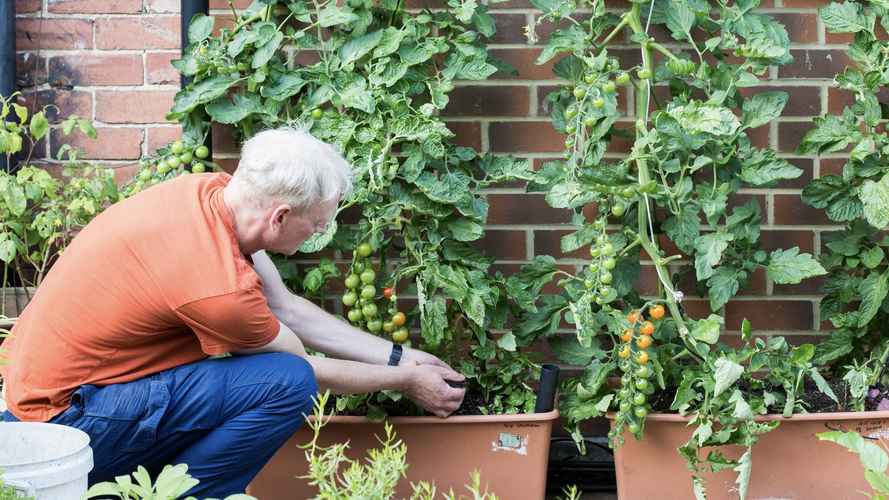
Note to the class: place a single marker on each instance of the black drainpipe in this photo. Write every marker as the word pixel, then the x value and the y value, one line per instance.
pixel 7 57
pixel 188 9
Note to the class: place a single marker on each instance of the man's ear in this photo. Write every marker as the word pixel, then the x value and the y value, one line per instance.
pixel 278 215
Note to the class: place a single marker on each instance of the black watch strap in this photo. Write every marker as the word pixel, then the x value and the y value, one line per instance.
pixel 395 357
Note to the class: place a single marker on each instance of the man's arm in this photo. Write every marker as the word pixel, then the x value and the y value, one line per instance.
pixel 426 385
pixel 324 332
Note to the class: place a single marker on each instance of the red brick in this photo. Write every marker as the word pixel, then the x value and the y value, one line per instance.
pixel 164 6
pixel 503 245
pixel 30 70
pixel 426 4
pixel 531 137
pixel 770 315
pixel 510 28
pixel 524 62
pixel 110 144
pixel 488 100
pixel 27 6
pixel 524 209
pixel 837 99
pixel 790 134
pixel 224 21
pixel 814 63
pixel 806 165
pixel 158 69
pixel 223 137
pixel 832 166
pixel 774 240
pixel 806 3
pixel 156 137
pixel 790 210
pixel 37 33
pixel 759 136
pixel 802 28
pixel 223 4
pixel 756 284
pixel 142 32
pixel 95 6
pixel 95 69
pixel 549 242
pixel 811 286
pixel 64 103
pixel 468 134
pixel 133 106
pixel 621 138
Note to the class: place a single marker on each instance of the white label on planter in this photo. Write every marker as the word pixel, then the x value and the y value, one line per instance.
pixel 511 442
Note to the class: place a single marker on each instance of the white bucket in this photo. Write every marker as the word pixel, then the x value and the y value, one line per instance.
pixel 46 461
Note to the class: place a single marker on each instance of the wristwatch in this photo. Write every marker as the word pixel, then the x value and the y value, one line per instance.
pixel 395 357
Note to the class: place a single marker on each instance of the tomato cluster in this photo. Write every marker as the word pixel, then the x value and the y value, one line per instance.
pixel 170 161
pixel 361 299
pixel 633 351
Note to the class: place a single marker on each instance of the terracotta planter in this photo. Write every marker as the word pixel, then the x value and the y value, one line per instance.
pixel 788 463
pixel 510 452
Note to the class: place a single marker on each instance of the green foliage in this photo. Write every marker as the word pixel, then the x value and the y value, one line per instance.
pixel 172 483
pixel 40 213
pixel 690 157
pixel 8 492
pixel 856 286
pixel 373 79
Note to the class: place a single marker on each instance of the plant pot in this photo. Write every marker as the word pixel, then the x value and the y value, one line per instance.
pixel 14 300
pixel 510 452
pixel 46 461
pixel 788 463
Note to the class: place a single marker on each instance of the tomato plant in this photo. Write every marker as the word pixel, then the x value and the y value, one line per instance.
pixel 856 288
pixel 372 79
pixel 690 157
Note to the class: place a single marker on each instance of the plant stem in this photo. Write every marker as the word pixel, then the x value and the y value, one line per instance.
pixel 617 29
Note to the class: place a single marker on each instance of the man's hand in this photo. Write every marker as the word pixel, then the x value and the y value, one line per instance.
pixel 416 356
pixel 428 389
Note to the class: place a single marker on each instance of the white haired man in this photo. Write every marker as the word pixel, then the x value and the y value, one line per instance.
pixel 115 342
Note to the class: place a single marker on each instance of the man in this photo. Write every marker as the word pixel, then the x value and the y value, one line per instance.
pixel 115 341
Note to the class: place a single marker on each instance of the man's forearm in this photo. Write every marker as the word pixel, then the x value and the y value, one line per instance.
pixel 321 331
pixel 340 376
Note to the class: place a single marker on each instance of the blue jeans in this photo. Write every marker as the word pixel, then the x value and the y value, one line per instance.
pixel 224 417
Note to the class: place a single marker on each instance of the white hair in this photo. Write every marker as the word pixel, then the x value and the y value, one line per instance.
pixel 288 165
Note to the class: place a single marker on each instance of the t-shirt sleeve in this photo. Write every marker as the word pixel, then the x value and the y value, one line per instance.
pixel 232 321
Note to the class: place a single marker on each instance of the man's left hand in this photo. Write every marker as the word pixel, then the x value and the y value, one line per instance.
pixel 417 357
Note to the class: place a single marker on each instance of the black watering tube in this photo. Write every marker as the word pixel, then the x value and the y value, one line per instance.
pixel 546 393
pixel 188 9
pixel 7 57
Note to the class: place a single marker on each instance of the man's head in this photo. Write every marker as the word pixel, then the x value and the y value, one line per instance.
pixel 286 189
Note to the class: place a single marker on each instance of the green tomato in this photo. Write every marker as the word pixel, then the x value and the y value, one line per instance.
pixel 369 310
pixel 628 192
pixel 202 152
pixel 644 74
pixel 598 103
pixel 570 129
pixel 173 162
pixel 374 325
pixel 641 384
pixel 609 87
pixel 355 315
pixel 589 78
pixel 624 406
pixel 624 393
pixel 579 93
pixel 623 79
pixel 639 399
pixel 633 428
pixel 626 378
pixel 606 277
pixel 349 299
pixel 317 113
pixel 604 290
pixel 145 175
pixel 618 210
pixel 640 411
pixel 589 284
pixel 358 266
pixel 589 121
pixel 177 147
pixel 595 251
pixel 365 249
pixel 186 157
pixel 198 168
pixel 570 112
pixel 608 249
pixel 368 292
pixel 609 263
pixel 162 168
pixel 389 327
pixel 368 276
pixel 643 372
pixel 352 281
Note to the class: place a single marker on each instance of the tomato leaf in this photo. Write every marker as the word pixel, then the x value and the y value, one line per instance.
pixel 791 267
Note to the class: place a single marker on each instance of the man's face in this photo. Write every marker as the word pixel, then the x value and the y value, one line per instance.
pixel 293 228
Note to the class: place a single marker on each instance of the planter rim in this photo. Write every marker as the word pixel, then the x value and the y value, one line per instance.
pixel 460 419
pixel 802 417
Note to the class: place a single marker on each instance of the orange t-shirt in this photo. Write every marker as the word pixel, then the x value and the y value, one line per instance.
pixel 153 282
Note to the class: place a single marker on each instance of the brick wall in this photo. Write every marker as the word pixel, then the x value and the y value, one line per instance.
pixel 109 60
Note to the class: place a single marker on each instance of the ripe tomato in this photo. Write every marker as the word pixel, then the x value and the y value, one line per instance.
pixel 625 352
pixel 387 292
pixel 400 335
pixel 633 317
pixel 647 328
pixel 657 312
pixel 642 342
pixel 627 335
pixel 398 319
pixel 642 358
